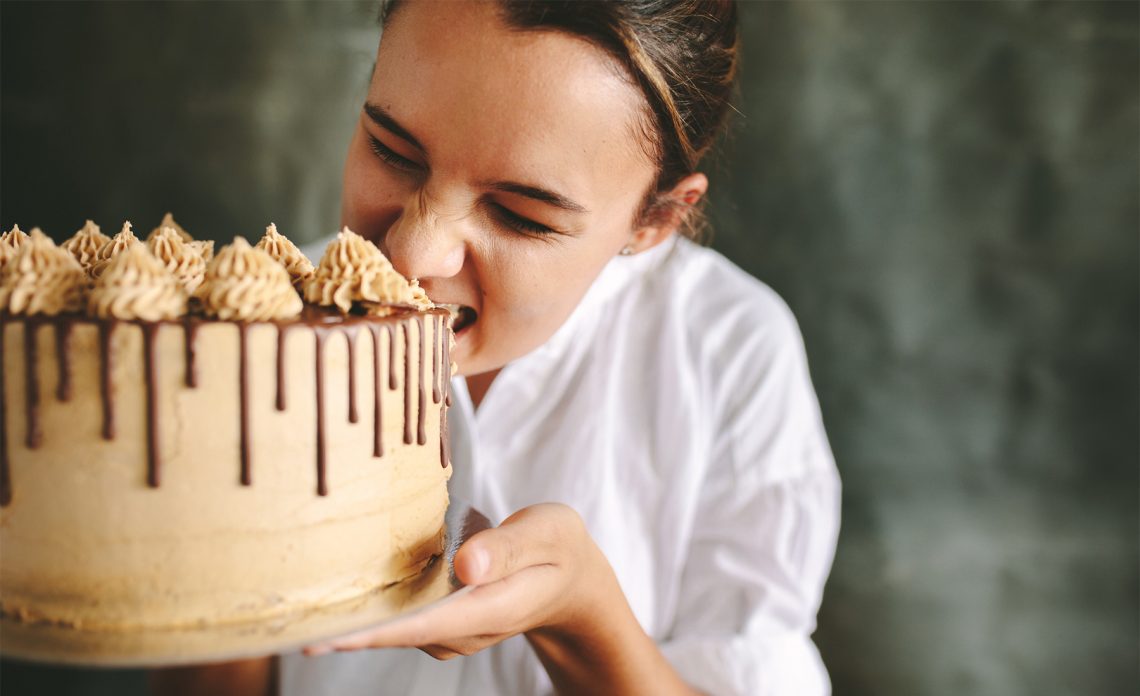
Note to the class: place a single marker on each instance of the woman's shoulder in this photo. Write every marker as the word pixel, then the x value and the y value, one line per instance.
pixel 743 360
pixel 721 307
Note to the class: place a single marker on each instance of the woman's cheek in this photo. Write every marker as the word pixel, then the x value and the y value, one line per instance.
pixel 373 199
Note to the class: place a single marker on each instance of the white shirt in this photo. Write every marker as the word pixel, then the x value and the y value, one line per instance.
pixel 674 411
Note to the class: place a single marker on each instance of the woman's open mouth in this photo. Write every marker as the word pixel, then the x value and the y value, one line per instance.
pixel 463 317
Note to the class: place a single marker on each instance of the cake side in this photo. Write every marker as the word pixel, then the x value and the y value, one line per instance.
pixel 184 516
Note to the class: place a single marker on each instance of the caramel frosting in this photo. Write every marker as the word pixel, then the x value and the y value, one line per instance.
pixel 13 238
pixel 354 269
pixel 204 247
pixel 136 285
pixel 419 298
pixel 287 254
pixel 7 253
pixel 247 284
pixel 121 242
pixel 85 244
pixel 168 221
pixel 179 258
pixel 41 278
pixel 10 241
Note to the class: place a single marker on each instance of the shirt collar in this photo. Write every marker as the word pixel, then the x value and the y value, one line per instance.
pixel 618 275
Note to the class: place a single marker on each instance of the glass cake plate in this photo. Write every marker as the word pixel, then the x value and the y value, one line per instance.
pixel 436 585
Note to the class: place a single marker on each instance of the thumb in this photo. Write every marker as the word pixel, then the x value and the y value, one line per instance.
pixel 531 536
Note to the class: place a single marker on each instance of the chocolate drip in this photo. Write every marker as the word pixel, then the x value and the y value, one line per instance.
pixel 408 434
pixel 190 332
pixel 63 388
pixel 243 379
pixel 153 471
pixel 106 331
pixel 35 436
pixel 437 329
pixel 350 335
pixel 5 475
pixel 421 434
pixel 391 357
pixel 377 394
pixel 444 439
pixel 280 367
pixel 322 323
pixel 322 485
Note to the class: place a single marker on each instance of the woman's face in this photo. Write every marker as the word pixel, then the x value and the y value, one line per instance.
pixel 502 168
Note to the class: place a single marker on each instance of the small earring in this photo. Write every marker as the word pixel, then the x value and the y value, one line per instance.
pixel 626 250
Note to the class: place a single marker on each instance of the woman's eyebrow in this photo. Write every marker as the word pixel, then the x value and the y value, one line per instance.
pixel 538 194
pixel 382 118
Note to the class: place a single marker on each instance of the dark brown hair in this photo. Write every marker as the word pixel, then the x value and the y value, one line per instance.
pixel 681 53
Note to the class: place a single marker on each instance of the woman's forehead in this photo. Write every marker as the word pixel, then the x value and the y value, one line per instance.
pixel 469 87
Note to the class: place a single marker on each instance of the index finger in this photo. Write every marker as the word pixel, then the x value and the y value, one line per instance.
pixel 394 633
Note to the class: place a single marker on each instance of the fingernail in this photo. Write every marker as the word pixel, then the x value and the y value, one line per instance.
pixel 482 563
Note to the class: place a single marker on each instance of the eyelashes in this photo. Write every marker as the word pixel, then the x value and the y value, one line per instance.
pixel 502 215
pixel 387 155
pixel 518 223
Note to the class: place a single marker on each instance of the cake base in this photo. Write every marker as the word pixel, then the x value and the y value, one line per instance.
pixel 40 642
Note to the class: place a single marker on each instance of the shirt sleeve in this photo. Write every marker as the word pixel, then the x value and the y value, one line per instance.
pixel 765 527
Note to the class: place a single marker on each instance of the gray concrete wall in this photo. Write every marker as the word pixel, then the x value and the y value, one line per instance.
pixel 946 194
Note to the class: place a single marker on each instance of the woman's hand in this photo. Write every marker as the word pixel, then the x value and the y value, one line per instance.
pixel 539 569
pixel 541 574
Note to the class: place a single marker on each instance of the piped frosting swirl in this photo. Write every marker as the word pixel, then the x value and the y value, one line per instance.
pixel 247 284
pixel 136 285
pixel 287 254
pixel 85 244
pixel 7 253
pixel 204 247
pixel 13 238
pixel 354 270
pixel 10 242
pixel 168 221
pixel 124 240
pixel 41 278
pixel 179 258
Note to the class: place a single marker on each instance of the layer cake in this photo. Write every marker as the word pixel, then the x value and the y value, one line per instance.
pixel 184 441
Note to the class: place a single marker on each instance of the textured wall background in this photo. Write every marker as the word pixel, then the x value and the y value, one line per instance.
pixel 946 194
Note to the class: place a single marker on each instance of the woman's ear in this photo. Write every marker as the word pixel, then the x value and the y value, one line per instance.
pixel 668 213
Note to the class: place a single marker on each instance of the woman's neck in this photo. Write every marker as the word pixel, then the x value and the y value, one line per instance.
pixel 477 386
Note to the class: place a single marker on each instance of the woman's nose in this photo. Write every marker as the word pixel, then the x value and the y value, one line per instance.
pixel 424 246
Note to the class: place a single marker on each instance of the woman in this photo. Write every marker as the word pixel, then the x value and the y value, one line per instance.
pixel 634 408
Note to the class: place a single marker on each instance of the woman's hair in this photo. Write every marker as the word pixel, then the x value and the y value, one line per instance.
pixel 681 53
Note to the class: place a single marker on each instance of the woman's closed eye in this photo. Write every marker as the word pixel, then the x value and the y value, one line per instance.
pixel 513 221
pixel 501 214
pixel 390 157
